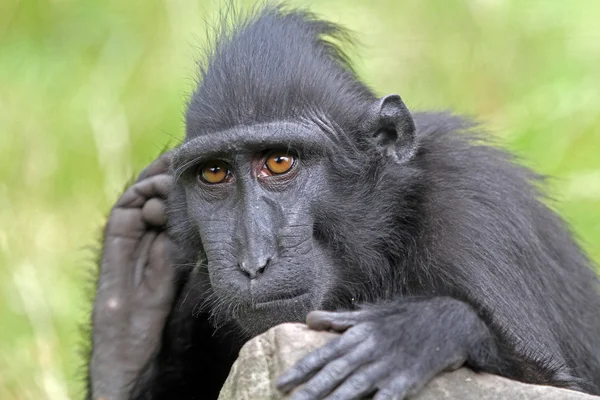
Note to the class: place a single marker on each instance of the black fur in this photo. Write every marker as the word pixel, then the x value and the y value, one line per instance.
pixel 273 65
pixel 452 225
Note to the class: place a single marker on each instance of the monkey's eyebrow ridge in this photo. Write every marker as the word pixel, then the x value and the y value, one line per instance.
pixel 291 135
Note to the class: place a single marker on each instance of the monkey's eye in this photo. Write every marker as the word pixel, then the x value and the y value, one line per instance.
pixel 214 171
pixel 278 162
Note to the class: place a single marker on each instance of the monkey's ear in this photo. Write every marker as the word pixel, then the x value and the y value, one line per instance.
pixel 392 128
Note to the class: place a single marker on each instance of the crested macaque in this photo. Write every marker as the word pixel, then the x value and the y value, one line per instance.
pixel 298 195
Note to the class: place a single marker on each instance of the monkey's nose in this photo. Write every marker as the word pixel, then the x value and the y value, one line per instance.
pixel 254 269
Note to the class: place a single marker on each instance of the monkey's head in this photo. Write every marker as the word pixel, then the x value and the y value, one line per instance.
pixel 287 182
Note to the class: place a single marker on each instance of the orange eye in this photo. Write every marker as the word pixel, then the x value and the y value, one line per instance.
pixel 279 163
pixel 214 172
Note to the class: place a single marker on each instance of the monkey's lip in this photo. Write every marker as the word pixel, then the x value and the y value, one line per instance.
pixel 287 301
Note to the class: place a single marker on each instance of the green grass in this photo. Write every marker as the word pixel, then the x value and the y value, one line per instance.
pixel 90 91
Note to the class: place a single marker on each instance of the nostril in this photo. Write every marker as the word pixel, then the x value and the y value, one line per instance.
pixel 245 271
pixel 262 269
pixel 254 272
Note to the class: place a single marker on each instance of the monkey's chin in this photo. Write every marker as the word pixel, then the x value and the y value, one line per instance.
pixel 259 317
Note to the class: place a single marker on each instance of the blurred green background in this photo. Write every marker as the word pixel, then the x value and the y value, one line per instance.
pixel 90 91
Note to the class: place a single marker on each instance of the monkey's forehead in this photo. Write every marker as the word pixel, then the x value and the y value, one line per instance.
pixel 300 136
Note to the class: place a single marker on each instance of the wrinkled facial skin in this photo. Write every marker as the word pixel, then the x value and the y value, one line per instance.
pixel 264 263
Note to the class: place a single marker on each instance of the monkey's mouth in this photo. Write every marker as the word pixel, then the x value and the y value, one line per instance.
pixel 296 300
pixel 261 316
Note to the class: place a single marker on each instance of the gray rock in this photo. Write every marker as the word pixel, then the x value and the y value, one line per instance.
pixel 265 357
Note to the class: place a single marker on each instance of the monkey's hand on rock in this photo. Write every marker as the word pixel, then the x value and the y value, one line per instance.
pixel 135 289
pixel 390 350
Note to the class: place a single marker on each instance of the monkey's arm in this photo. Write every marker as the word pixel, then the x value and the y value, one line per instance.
pixel 135 288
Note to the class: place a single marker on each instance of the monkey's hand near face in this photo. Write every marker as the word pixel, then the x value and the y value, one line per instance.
pixel 390 350
pixel 135 289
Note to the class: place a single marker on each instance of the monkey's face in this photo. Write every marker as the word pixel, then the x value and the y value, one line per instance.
pixel 294 216
pixel 255 208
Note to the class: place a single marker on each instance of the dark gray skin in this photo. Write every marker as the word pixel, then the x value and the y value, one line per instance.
pixel 427 248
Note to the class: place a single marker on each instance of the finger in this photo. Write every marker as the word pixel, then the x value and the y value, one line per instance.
pixel 124 223
pixel 158 166
pixel 123 233
pixel 139 193
pixel 396 388
pixel 155 186
pixel 337 321
pixel 314 361
pixel 160 273
pixel 306 367
pixel 154 212
pixel 361 383
pixel 334 373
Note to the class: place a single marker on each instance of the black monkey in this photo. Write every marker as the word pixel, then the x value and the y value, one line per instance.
pixel 296 189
